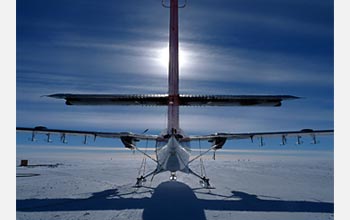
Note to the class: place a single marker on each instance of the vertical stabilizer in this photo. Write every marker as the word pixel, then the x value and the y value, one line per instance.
pixel 173 71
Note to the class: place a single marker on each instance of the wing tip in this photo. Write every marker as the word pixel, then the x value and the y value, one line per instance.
pixel 57 95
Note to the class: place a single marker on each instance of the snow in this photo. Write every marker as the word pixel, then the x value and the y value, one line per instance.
pixel 248 185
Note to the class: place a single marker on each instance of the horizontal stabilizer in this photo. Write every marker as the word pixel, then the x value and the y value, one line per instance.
pixel 164 99
pixel 110 99
pixel 234 100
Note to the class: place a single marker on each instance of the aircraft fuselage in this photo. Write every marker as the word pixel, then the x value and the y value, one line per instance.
pixel 173 155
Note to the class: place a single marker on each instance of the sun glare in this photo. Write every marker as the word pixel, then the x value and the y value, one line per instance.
pixel 163 57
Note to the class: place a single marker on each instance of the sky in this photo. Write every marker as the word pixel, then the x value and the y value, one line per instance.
pixel 227 47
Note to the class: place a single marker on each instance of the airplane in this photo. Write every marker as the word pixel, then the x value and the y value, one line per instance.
pixel 172 146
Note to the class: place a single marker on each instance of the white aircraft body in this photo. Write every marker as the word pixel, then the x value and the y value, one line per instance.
pixel 172 149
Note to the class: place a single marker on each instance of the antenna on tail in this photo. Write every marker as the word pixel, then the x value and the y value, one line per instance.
pixel 168 6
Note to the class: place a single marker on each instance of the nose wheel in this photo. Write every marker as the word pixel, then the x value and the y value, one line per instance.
pixel 173 176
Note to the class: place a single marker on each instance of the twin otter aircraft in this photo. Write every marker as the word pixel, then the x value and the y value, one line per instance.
pixel 172 149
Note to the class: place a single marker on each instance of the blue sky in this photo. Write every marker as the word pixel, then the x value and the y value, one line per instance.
pixel 235 47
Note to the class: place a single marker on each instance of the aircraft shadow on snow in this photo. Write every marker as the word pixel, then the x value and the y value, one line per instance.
pixel 172 200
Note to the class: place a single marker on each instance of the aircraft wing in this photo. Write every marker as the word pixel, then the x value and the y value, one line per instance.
pixel 164 99
pixel 128 139
pixel 254 135
pixel 94 134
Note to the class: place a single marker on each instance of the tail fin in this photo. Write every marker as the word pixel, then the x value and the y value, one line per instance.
pixel 173 72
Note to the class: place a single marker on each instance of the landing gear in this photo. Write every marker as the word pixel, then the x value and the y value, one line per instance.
pixel 140 181
pixel 173 176
pixel 204 181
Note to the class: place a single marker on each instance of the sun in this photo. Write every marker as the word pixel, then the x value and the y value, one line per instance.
pixel 163 57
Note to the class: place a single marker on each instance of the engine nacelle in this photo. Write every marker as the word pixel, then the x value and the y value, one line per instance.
pixel 129 142
pixel 218 142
